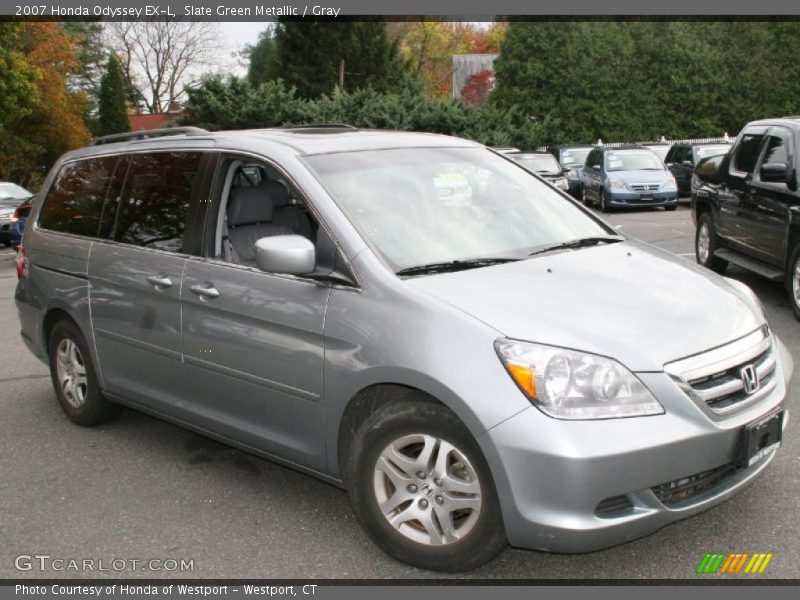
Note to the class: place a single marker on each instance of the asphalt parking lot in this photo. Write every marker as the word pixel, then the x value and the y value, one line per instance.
pixel 138 488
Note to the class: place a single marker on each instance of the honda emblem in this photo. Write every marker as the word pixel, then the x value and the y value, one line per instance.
pixel 750 379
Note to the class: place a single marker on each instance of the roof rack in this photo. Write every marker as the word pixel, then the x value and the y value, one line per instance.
pixel 146 134
pixel 320 126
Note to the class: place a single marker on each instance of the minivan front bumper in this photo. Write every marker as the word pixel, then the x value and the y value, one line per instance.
pixel 556 479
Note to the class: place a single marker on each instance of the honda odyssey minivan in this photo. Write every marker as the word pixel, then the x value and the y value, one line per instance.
pixel 502 369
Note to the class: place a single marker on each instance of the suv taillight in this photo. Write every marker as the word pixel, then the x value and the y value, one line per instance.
pixel 22 262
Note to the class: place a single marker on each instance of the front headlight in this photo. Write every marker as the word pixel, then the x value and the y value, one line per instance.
pixel 561 183
pixel 670 183
pixel 615 184
pixel 567 384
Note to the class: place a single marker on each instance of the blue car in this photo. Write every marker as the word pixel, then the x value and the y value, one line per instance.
pixel 627 177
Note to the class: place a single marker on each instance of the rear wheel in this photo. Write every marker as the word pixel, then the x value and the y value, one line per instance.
pixel 421 489
pixel 75 378
pixel 706 243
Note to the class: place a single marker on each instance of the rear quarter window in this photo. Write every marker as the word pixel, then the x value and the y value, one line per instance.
pixel 76 201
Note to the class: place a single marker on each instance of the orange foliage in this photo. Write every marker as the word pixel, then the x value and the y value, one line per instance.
pixel 57 123
pixel 428 47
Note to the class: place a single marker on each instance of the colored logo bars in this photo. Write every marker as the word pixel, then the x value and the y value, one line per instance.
pixel 738 562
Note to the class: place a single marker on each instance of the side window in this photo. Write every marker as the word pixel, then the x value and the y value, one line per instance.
pixel 689 154
pixel 747 152
pixel 155 202
pixel 77 202
pixel 777 150
pixel 257 203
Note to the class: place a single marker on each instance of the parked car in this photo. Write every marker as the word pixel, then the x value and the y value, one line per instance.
pixel 18 219
pixel 572 157
pixel 660 149
pixel 682 159
pixel 504 369
pixel 627 177
pixel 10 197
pixel 745 205
pixel 543 164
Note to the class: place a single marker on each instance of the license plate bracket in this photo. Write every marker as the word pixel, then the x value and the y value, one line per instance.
pixel 761 438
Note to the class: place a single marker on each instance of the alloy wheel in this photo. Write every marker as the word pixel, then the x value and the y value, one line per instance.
pixel 703 244
pixel 427 489
pixel 71 372
pixel 796 281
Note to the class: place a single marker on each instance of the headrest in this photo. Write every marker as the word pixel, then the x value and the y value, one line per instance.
pixel 249 205
pixel 277 192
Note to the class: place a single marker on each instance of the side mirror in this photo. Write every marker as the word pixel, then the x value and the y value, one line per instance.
pixel 670 165
pixel 774 172
pixel 288 254
pixel 687 163
pixel 596 167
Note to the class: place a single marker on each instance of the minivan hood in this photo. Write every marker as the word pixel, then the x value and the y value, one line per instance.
pixel 630 301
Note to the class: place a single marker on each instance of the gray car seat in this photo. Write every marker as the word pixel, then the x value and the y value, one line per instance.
pixel 250 217
pixel 288 215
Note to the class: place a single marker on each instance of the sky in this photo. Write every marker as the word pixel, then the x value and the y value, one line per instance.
pixel 237 35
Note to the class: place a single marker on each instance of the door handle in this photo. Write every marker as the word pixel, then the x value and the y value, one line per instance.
pixel 159 281
pixel 204 291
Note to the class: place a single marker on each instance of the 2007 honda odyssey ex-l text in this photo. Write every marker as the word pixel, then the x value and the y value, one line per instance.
pixel 475 357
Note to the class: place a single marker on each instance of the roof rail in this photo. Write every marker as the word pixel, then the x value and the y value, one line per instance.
pixel 145 134
pixel 319 126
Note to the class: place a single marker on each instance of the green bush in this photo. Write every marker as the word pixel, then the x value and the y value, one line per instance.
pixel 220 103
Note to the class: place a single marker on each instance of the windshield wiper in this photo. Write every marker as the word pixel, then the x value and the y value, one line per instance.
pixel 579 243
pixel 454 265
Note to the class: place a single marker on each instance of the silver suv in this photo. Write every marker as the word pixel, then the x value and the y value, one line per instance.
pixel 474 356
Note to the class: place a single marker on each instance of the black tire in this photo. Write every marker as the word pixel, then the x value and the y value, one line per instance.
pixel 793 281
pixel 604 207
pixel 417 415
pixel 670 208
pixel 94 408
pixel 585 198
pixel 707 259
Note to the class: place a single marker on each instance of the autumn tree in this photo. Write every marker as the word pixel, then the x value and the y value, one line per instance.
pixel 112 107
pixel 54 122
pixel 428 48
pixel 160 58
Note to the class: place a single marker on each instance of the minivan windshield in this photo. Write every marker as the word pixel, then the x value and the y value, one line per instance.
pixel 544 164
pixel 423 206
pixel 633 160
pixel 574 157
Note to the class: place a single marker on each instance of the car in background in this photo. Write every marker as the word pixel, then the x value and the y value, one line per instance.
pixel 660 149
pixel 544 165
pixel 744 205
pixel 627 177
pixel 10 197
pixel 572 157
pixel 18 219
pixel 682 159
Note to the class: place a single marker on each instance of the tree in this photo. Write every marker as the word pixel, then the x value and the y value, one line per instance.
pixel 54 122
pixel 160 58
pixel 476 90
pixel 262 65
pixel 112 107
pixel 428 48
pixel 309 55
pixel 92 56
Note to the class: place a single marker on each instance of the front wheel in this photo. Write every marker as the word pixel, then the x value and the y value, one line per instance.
pixel 604 206
pixel 585 198
pixel 793 282
pixel 706 243
pixel 670 208
pixel 422 490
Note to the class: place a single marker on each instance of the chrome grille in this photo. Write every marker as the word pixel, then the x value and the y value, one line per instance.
pixel 645 187
pixel 716 377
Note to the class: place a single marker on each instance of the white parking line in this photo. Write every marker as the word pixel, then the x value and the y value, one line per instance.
pixel 687 254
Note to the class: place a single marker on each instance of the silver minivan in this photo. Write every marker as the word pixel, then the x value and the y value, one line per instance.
pixel 475 357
